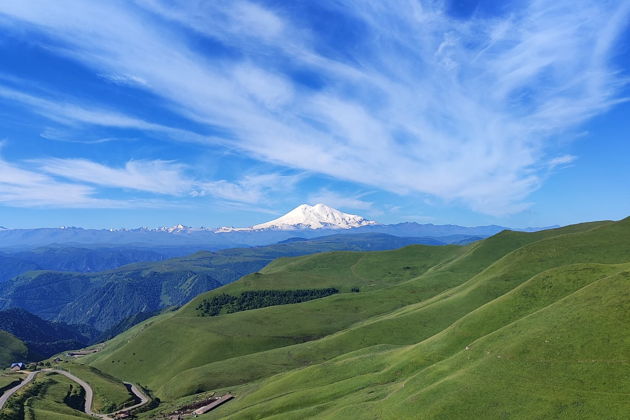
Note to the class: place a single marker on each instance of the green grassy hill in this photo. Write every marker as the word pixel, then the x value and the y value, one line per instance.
pixel 55 397
pixel 109 394
pixel 11 350
pixel 520 325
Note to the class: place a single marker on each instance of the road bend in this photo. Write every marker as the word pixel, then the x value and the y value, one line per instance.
pixel 89 393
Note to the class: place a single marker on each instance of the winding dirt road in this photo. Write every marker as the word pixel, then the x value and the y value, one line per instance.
pixel 5 397
pixel 89 393
pixel 138 393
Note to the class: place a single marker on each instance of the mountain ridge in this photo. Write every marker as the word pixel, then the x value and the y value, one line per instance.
pixel 328 221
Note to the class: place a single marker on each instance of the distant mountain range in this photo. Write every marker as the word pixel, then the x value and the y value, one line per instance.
pixel 303 221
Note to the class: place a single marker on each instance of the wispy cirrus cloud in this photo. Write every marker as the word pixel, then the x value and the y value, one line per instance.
pixel 417 102
pixel 169 178
pixel 25 188
pixel 155 176
pixel 253 188
pixel 70 113
pixel 73 183
pixel 72 136
pixel 344 201
pixel 561 161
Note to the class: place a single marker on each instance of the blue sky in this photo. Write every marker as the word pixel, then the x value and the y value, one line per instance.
pixel 212 113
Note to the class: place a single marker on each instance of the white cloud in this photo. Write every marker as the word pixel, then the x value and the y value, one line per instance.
pixel 71 114
pixel 334 199
pixel 263 87
pixel 231 21
pixel 169 178
pixel 23 188
pixel 561 161
pixel 73 183
pixel 71 136
pixel 249 189
pixel 421 103
pixel 154 176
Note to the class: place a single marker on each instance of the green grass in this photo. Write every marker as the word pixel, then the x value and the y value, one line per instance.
pixel 9 378
pixel 110 394
pixel 188 341
pixel 544 331
pixel 520 325
pixel 51 390
pixel 538 367
pixel 49 404
pixel 12 350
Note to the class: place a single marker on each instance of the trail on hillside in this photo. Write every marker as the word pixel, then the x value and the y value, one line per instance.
pixel 89 393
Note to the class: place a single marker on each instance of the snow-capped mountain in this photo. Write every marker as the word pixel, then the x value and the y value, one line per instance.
pixel 175 229
pixel 319 216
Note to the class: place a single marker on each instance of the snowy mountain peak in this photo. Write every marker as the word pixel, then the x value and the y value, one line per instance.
pixel 176 228
pixel 319 216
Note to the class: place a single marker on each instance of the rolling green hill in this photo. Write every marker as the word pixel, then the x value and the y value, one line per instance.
pixel 106 298
pixel 520 325
pixel 11 349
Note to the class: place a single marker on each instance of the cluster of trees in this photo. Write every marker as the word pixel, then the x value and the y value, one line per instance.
pixel 213 306
pixel 259 299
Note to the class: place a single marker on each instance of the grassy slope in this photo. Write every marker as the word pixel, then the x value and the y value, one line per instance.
pixel 539 366
pixel 517 342
pixel 188 341
pixel 109 393
pixel 382 277
pixel 49 404
pixel 399 345
pixel 11 350
pixel 8 378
